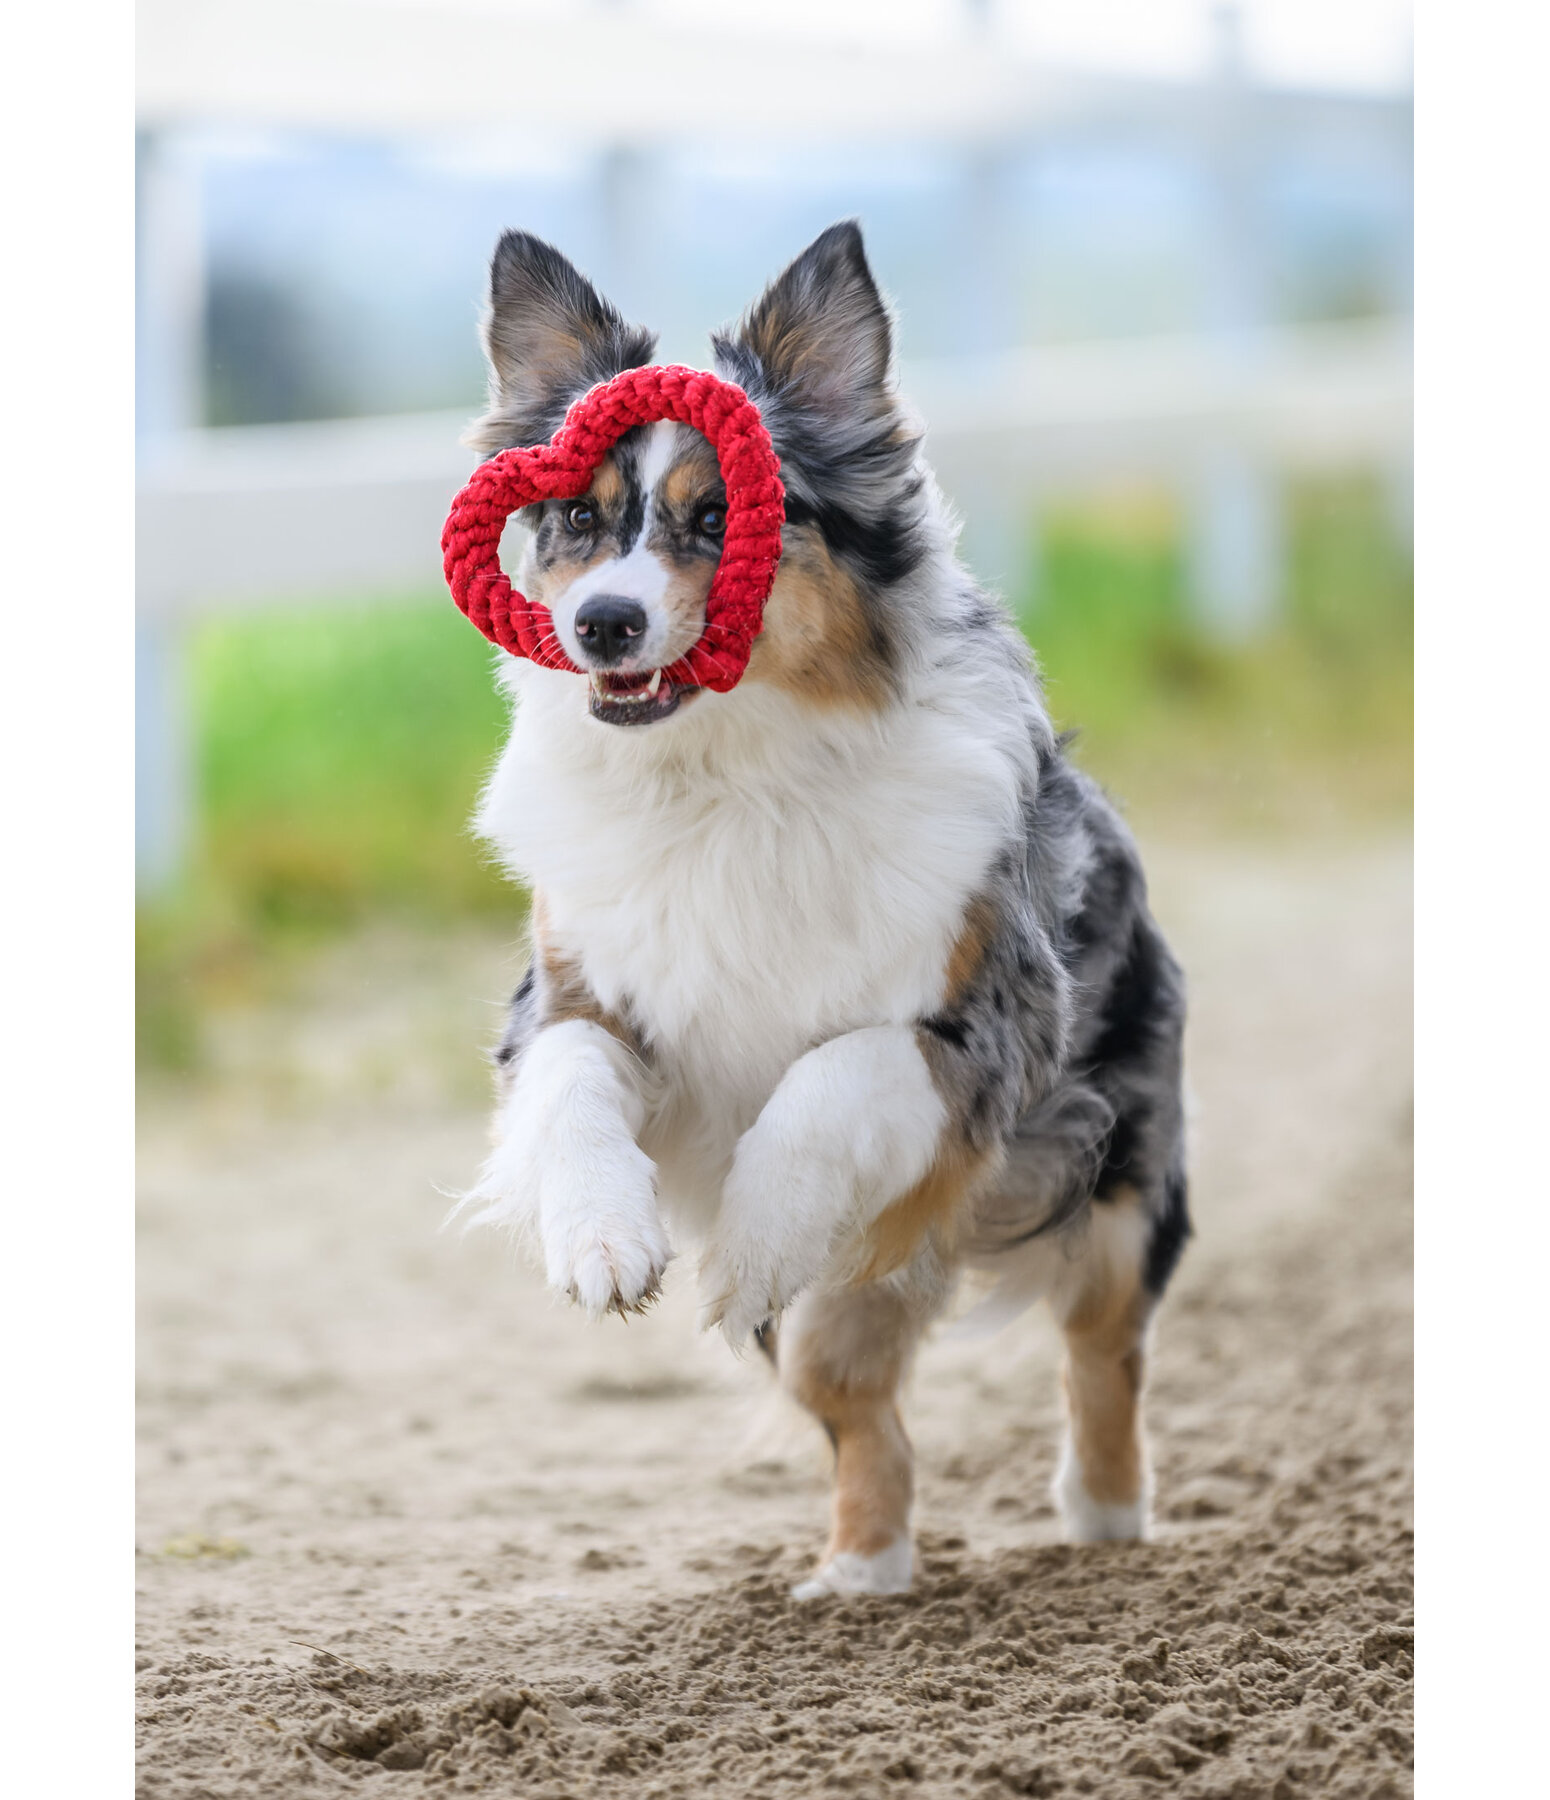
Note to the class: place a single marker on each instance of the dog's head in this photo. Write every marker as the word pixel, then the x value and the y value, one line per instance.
pixel 625 568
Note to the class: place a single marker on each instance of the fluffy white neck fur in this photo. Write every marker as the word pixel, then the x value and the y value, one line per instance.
pixel 757 874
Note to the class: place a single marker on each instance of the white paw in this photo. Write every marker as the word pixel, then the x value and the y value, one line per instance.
pixel 595 1214
pixel 888 1572
pixel 772 1238
pixel 604 1243
pixel 1089 1521
pixel 568 1167
pixel 744 1282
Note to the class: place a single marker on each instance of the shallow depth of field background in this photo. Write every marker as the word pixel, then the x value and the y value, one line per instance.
pixel 1152 265
pixel 1226 614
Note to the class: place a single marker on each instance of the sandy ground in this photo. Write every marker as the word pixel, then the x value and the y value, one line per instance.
pixel 405 1522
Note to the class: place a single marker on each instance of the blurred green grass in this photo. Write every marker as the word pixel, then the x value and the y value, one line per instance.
pixel 1309 724
pixel 340 750
pixel 340 753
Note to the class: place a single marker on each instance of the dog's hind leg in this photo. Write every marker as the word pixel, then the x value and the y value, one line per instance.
pixel 843 1353
pixel 1104 1301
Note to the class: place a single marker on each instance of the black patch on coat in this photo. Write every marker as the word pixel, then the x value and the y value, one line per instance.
pixel 1170 1231
pixel 1119 1152
pixel 1137 1002
pixel 880 550
pixel 521 1020
pixel 1110 894
pixel 949 1028
pixel 633 520
pixel 618 529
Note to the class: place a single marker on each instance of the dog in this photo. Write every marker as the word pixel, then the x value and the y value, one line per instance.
pixel 846 976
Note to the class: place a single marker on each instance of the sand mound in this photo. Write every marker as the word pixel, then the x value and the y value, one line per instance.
pixel 1246 1665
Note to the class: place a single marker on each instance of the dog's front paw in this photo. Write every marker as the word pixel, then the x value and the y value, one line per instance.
pixel 740 1290
pixel 603 1240
pixel 567 1169
pixel 595 1216
pixel 771 1241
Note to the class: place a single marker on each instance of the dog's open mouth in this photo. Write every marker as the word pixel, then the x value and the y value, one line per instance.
pixel 635 699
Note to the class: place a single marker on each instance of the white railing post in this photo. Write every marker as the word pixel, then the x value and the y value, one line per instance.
pixel 169 338
pixel 164 786
pixel 626 197
pixel 1399 470
pixel 1237 546
pixel 1234 502
pixel 997 534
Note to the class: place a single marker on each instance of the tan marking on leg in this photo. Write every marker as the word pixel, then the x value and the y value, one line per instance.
pixel 843 1355
pixel 963 963
pixel 873 1482
pixel 1103 1392
pixel 1104 1321
pixel 938 1204
pixel 815 642
pixel 936 1207
pixel 564 990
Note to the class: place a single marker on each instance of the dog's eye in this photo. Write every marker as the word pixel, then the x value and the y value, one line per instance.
pixel 712 521
pixel 580 517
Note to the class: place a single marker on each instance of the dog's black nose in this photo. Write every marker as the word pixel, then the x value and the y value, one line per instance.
pixel 609 627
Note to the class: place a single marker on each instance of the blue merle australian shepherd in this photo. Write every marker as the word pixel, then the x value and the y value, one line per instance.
pixel 846 977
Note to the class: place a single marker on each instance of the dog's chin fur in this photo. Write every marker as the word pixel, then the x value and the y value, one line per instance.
pixel 846 974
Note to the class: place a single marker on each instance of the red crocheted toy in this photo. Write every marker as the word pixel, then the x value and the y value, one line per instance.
pixel 750 545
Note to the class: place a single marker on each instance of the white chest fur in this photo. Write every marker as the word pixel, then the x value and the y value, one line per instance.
pixel 754 877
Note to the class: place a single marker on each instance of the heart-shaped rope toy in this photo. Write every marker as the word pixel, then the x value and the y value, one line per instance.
pixel 563 468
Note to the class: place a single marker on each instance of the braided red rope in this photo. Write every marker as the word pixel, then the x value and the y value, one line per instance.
pixel 750 546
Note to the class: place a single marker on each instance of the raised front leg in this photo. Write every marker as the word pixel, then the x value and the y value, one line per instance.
pixel 853 1126
pixel 567 1165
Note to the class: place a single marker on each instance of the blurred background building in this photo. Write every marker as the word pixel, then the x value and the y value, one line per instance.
pixel 1152 260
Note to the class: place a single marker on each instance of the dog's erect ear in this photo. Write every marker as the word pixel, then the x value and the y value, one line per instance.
pixel 549 336
pixel 821 333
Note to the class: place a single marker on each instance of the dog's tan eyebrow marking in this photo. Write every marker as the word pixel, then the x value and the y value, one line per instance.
pixel 607 488
pixel 695 473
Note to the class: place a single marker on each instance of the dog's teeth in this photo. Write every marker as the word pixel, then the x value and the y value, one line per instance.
pixel 654 683
pixel 599 686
